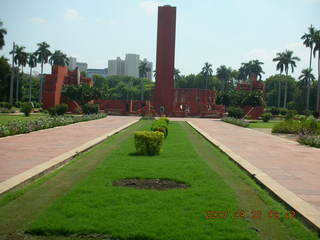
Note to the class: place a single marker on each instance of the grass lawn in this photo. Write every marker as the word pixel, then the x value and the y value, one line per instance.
pixel 5 118
pixel 79 201
pixel 261 124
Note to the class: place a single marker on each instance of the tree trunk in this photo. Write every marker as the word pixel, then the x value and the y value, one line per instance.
pixel 12 76
pixel 17 87
pixel 30 83
pixel 318 88
pixel 308 82
pixel 40 92
pixel 279 94
pixel 285 92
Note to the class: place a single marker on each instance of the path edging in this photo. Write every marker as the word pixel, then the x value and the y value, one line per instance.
pixel 306 210
pixel 55 162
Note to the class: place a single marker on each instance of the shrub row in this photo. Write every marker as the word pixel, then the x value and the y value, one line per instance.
pixel 19 127
pixel 235 121
pixel 58 110
pixel 90 108
pixel 305 126
pixel 311 140
pixel 150 142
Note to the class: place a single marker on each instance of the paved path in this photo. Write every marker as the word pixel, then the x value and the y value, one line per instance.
pixel 295 166
pixel 20 153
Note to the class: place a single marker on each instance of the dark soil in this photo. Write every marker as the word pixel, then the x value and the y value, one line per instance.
pixel 157 184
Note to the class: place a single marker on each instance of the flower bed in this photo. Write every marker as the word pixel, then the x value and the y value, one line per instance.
pixel 235 121
pixel 19 127
pixel 311 140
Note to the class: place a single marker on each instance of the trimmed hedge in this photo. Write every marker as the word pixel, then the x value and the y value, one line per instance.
pixel 311 140
pixel 26 126
pixel 148 142
pixel 235 121
pixel 26 108
pixel 305 126
pixel 90 108
pixel 266 116
pixel 160 125
pixel 235 112
pixel 58 110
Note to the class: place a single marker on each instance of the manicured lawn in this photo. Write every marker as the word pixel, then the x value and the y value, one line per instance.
pixel 4 118
pixel 80 201
pixel 261 124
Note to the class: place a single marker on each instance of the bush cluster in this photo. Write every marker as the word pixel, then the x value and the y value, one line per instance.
pixel 235 121
pixel 160 125
pixel 311 140
pixel 305 126
pixel 235 112
pixel 148 142
pixel 90 108
pixel 6 107
pixel 58 110
pixel 266 116
pixel 26 108
pixel 19 127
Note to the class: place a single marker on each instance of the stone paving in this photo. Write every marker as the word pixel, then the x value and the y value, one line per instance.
pixel 294 166
pixel 20 153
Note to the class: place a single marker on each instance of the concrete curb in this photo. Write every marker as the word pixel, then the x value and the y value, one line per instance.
pixel 306 210
pixel 56 162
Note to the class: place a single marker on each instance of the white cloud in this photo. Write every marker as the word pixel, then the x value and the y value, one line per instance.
pixel 149 7
pixel 72 15
pixel 38 20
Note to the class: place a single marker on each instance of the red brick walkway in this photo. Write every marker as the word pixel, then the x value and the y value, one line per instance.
pixel 294 166
pixel 22 152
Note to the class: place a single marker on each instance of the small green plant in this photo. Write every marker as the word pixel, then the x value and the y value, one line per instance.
pixel 90 108
pixel 160 125
pixel 148 142
pixel 287 126
pixel 165 119
pixel 274 111
pixel 266 116
pixel 283 111
pixel 61 109
pixel 52 111
pixel 290 114
pixel 311 140
pixel 26 108
pixel 235 112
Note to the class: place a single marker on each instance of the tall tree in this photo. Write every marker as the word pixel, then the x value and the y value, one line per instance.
pixel 306 77
pixel 32 62
pixel 207 72
pixel 58 58
pixel 309 43
pixel 285 60
pixel 2 33
pixel 20 59
pixel 43 53
pixel 143 71
pixel 225 75
pixel 315 50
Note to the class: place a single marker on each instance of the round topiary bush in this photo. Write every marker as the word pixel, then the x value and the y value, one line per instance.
pixel 266 116
pixel 26 108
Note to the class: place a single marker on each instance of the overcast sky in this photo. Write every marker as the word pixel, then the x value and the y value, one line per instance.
pixel 224 32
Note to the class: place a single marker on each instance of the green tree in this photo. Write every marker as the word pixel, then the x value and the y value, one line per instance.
pixel 206 72
pixel 4 79
pixel 285 60
pixel 315 50
pixel 176 76
pixel 306 77
pixel 82 93
pixel 143 71
pixel 225 75
pixel 32 62
pixel 43 53
pixel 309 43
pixel 58 58
pixel 20 59
pixel 2 33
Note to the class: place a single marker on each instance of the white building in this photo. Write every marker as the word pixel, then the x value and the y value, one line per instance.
pixel 131 65
pixel 73 64
pixel 116 67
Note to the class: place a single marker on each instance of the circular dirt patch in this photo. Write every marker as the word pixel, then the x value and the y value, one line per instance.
pixel 158 184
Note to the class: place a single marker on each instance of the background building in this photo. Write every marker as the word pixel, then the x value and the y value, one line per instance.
pixel 94 71
pixel 81 65
pixel 128 67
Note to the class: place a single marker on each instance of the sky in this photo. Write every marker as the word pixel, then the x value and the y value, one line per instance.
pixel 221 32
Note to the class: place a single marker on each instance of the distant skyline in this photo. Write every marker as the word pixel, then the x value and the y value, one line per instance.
pixel 225 32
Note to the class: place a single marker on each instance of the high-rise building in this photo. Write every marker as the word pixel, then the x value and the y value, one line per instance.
pixel 132 65
pixel 74 64
pixel 116 67
pixel 82 66
pixel 149 65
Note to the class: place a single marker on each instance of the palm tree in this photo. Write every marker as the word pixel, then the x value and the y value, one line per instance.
pixel 43 53
pixel 315 50
pixel 225 75
pixel 207 72
pixel 2 33
pixel 306 77
pixel 285 61
pixel 143 71
pixel 32 62
pixel 309 42
pixel 58 58
pixel 21 59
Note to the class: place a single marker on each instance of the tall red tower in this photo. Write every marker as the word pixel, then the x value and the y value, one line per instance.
pixel 163 97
